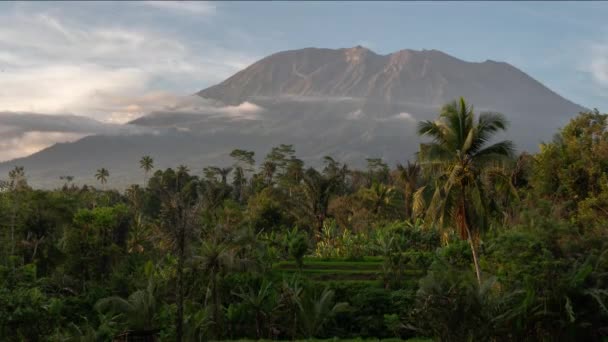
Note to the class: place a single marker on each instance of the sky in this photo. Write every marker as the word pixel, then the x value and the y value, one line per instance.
pixel 115 61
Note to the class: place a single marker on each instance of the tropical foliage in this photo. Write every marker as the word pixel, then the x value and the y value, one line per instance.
pixel 469 242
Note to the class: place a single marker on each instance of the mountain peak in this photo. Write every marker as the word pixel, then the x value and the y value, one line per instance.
pixel 357 54
pixel 427 77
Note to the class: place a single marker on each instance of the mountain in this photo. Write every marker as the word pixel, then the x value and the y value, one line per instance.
pixel 349 103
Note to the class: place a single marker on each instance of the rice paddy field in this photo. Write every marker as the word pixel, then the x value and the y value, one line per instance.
pixel 368 270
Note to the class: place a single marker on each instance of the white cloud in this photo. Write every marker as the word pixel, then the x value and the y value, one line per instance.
pixel 597 66
pixel 54 63
pixel 32 142
pixel 246 111
pixel 404 116
pixel 192 7
pixel 50 64
pixel 25 133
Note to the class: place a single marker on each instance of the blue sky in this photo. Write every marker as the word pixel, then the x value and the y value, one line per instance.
pixel 114 61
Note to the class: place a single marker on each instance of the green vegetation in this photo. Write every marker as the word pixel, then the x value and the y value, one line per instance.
pixel 467 243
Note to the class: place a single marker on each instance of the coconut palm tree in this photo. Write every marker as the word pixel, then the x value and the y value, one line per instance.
pixel 317 191
pixel 213 171
pixel 379 197
pixel 410 176
pixel 219 253
pixel 102 176
pixel 258 300
pixel 146 163
pixel 16 184
pixel 458 154
pixel 214 258
pixel 181 176
pixel 138 309
pixel 316 311
pixel 179 220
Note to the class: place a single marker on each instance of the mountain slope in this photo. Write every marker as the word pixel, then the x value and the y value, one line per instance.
pixel 428 78
pixel 348 103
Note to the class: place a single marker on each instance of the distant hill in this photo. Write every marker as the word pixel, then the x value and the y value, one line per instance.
pixel 349 103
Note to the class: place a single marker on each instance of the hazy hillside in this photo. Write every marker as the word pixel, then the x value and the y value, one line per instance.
pixel 348 103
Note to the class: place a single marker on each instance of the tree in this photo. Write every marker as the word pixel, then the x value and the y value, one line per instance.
pixel 215 257
pixel 102 176
pixel 180 215
pixel 181 176
pixel 138 309
pixel 221 251
pixel 317 190
pixel 377 171
pixel 242 166
pixel 458 154
pixel 316 311
pixel 258 302
pixel 379 198
pixel 410 176
pixel 17 183
pixel 146 163
pixel 213 171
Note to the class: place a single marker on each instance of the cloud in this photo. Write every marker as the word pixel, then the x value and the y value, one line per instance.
pixel 195 109
pixel 189 7
pixel 26 133
pixel 404 116
pixel 54 64
pixel 597 66
pixel 31 142
pixel 54 61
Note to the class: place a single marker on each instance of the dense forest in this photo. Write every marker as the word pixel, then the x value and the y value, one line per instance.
pixel 468 242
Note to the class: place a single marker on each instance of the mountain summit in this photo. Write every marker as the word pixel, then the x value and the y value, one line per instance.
pixel 426 78
pixel 349 103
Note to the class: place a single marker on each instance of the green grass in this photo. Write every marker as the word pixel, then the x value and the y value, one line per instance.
pixel 326 270
pixel 416 339
pixel 333 265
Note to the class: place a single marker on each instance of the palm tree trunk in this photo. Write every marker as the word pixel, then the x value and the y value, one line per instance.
pixel 408 202
pixel 179 333
pixel 13 219
pixel 216 305
pixel 465 225
pixel 475 260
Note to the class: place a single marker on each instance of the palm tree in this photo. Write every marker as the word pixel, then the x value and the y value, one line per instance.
pixel 213 171
pixel 17 183
pixel 458 154
pixel 146 163
pixel 257 300
pixel 379 197
pixel 102 176
pixel 268 170
pixel 219 253
pixel 215 257
pixel 290 302
pixel 317 190
pixel 138 309
pixel 182 173
pixel 317 311
pixel 179 219
pixel 410 176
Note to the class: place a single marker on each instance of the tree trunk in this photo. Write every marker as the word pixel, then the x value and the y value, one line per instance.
pixel 216 305
pixel 475 260
pixel 179 333
pixel 464 222
pixel 13 219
